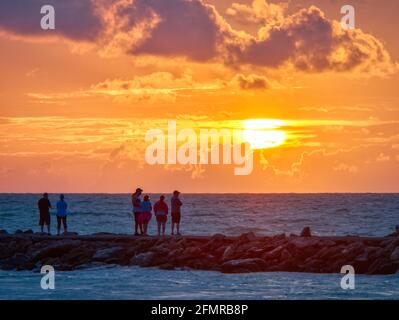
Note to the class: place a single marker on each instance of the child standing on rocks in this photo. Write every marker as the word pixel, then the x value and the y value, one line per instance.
pixel 161 213
pixel 146 208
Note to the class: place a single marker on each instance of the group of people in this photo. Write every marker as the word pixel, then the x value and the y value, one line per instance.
pixel 142 211
pixel 44 206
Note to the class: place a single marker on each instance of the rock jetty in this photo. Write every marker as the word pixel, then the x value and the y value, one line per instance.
pixel 25 250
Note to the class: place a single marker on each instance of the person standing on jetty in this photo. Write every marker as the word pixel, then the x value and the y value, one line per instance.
pixel 136 202
pixel 176 212
pixel 44 206
pixel 62 215
pixel 161 213
pixel 146 208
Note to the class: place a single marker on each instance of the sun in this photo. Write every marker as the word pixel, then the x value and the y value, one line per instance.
pixel 263 133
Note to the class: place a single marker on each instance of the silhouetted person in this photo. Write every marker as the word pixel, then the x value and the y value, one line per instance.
pixel 176 212
pixel 136 203
pixel 62 214
pixel 161 213
pixel 146 208
pixel 44 206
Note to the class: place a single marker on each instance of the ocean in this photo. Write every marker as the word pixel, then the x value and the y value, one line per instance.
pixel 207 214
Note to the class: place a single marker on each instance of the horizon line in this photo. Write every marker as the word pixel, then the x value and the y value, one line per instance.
pixel 216 193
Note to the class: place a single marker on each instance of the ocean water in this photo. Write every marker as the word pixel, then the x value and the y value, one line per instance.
pixel 112 282
pixel 326 214
pixel 205 214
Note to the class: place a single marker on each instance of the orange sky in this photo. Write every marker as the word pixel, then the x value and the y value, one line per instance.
pixel 76 102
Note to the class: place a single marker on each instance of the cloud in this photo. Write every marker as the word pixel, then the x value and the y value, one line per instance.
pixel 311 42
pixel 383 158
pixel 153 87
pixel 259 12
pixel 157 80
pixel 156 87
pixel 75 19
pixel 187 28
pixel 193 29
pixel 251 82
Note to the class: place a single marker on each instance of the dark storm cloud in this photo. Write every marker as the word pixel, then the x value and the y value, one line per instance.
pixel 74 18
pixel 195 30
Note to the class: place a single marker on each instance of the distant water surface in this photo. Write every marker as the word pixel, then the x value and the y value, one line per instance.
pixel 267 214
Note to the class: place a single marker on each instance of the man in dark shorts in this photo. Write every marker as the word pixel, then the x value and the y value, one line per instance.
pixel 44 205
pixel 176 212
pixel 136 203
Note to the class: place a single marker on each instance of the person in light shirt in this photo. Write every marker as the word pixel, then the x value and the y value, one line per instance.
pixel 62 214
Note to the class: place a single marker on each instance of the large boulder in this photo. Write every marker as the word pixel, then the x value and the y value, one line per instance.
pixel 79 256
pixel 313 265
pixel 243 266
pixel 275 253
pixel 379 253
pixel 228 253
pixel 19 262
pixel 55 249
pixel 70 234
pixel 395 254
pixel 41 234
pixel 218 237
pixel 354 249
pixel 255 252
pixel 383 266
pixel 192 252
pixel 244 248
pixel 303 243
pixel 144 259
pixel 285 255
pixel 109 254
pixel 247 237
pixel 362 263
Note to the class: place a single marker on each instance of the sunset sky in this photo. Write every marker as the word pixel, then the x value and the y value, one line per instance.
pixel 77 101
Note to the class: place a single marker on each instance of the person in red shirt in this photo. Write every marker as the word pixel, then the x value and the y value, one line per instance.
pixel 161 213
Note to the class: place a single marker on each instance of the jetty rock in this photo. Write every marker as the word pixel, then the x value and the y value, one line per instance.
pixel 25 250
